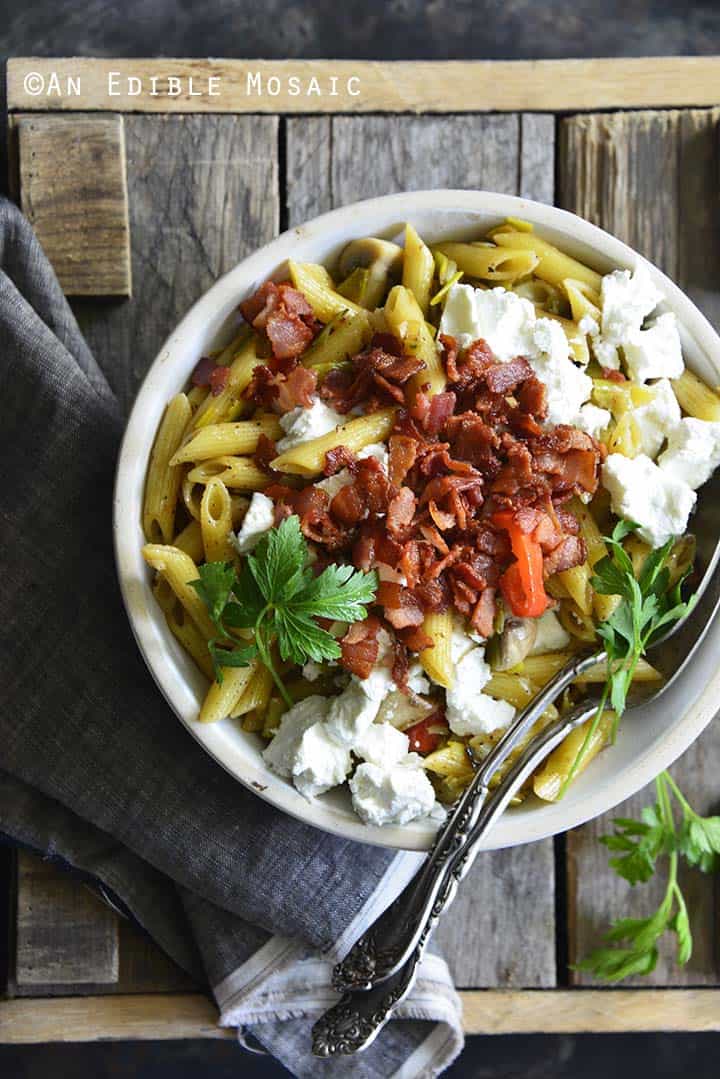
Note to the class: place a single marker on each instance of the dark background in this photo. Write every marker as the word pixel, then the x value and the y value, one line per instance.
pixel 397 30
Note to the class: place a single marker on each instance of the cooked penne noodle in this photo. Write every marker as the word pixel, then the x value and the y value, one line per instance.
pixel 516 689
pixel 584 300
pixel 576 339
pixel 190 541
pixel 576 622
pixel 695 398
pixel 229 403
pixel 603 605
pixel 490 263
pixel 325 302
pixel 405 320
pixel 356 286
pixel 540 669
pixel 182 626
pixel 240 473
pixel 576 582
pixel 308 459
pixel 553 265
pixel 418 269
pixel 216 523
pixel 343 337
pixel 450 760
pixel 191 496
pixel 549 781
pixel 162 485
pixel 196 396
pixel 543 295
pixel 227 439
pixel 222 698
pixel 320 273
pixel 179 570
pixel 437 660
pixel 256 696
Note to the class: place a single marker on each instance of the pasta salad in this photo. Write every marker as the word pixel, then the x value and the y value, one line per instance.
pixel 409 489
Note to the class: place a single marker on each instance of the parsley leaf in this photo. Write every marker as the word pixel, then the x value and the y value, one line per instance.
pixel 277 597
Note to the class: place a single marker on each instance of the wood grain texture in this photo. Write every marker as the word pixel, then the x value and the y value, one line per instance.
pixel 203 193
pixel 73 190
pixel 501 928
pixel 381 86
pixel 650 178
pixel 65 936
pixel 493 1011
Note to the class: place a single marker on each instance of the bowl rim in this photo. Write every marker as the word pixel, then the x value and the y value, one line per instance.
pixel 538 824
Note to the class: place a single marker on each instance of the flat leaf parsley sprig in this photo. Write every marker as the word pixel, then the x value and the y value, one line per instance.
pixel 277 596
pixel 632 943
pixel 647 605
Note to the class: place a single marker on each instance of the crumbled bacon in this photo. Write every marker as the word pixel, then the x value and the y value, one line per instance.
pixel 202 371
pixel 289 336
pixel 219 380
pixel 570 552
pixel 284 315
pixel 402 608
pixel 265 452
pixel 402 454
pixel 400 512
pixel 503 378
pixel 360 647
pixel 612 375
pixel 376 378
pixel 337 458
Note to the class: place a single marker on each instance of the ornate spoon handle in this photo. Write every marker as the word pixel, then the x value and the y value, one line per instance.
pixel 354 1022
pixel 389 942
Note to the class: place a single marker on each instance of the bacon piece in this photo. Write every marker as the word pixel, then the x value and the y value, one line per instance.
pixel 289 336
pixel 401 665
pixel 415 638
pixel 612 375
pixel 570 552
pixel 336 458
pixel 219 380
pixel 449 355
pixel 401 606
pixel 297 388
pixel 348 505
pixel 503 378
pixel 433 595
pixel 265 452
pixel 469 368
pixel 532 398
pixel 400 512
pixel 202 371
pixel 402 456
pixel 311 506
pixel 483 615
pixel 360 647
pixel 258 306
pixel 442 519
pixel 433 537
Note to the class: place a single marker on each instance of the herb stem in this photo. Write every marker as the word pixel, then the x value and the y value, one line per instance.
pixel 680 796
pixel 265 651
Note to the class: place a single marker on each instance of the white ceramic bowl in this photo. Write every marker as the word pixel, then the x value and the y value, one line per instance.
pixel 650 738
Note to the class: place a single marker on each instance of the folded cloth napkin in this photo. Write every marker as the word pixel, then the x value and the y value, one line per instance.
pixel 97 773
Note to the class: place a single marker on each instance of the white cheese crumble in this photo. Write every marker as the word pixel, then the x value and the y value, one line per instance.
pixel 693 452
pixel 627 300
pixel 302 424
pixel 567 384
pixel 593 420
pixel 311 671
pixel 641 491
pixel 259 519
pixel 468 709
pixel 351 713
pixel 382 744
pixel 302 750
pixel 655 352
pixel 392 795
pixel 501 318
pixel 551 635
pixel 460 642
pixel 658 418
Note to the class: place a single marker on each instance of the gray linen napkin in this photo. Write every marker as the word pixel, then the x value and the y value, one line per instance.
pixel 96 772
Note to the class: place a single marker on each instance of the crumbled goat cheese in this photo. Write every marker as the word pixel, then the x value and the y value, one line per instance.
pixel 641 491
pixel 311 671
pixel 416 679
pixel 468 709
pixel 567 384
pixel 501 318
pixel 382 744
pixel 259 519
pixel 333 484
pixel 627 300
pixel 351 713
pixel 589 326
pixel 302 750
pixel 593 420
pixel 693 452
pixel 658 418
pixel 394 795
pixel 551 636
pixel 302 424
pixel 460 642
pixel 655 352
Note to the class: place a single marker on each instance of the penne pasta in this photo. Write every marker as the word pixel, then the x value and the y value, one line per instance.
pixel 256 695
pixel 216 523
pixel 343 337
pixel 549 781
pixel 325 302
pixel 182 627
pixel 179 571
pixel 240 473
pixel 321 275
pixel 490 263
pixel 548 298
pixel 227 439
pixel 196 396
pixel 229 403
pixel 222 697
pixel 450 760
pixel 576 582
pixel 308 458
pixel 437 661
pixel 162 485
pixel 190 540
pixel 584 300
pixel 418 269
pixel 695 398
pixel 406 321
pixel 540 669
pixel 553 265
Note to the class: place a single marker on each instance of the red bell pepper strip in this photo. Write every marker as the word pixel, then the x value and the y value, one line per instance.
pixel 423 740
pixel 522 583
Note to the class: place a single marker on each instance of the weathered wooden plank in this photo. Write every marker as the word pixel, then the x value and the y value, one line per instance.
pixel 65 936
pixel 491 1011
pixel 501 928
pixel 356 86
pixel 650 178
pixel 73 190
pixel 203 193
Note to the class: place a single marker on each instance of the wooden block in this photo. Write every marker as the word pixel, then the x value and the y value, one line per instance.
pixel 650 178
pixel 65 935
pixel 501 928
pixel 203 193
pixel 73 190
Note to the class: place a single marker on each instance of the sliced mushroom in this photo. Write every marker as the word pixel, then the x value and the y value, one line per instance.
pixel 381 259
pixel 513 645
